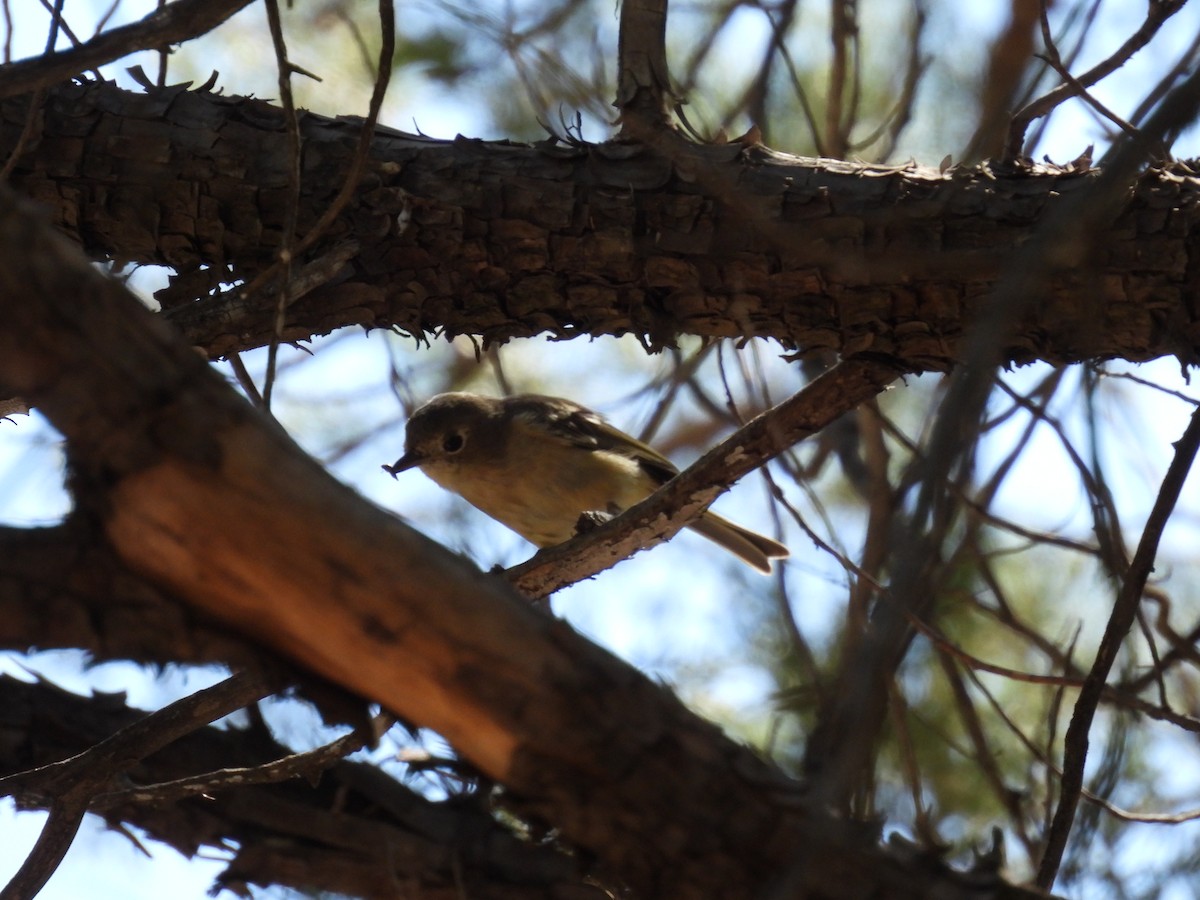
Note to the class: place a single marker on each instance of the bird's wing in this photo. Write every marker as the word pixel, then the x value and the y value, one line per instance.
pixel 580 427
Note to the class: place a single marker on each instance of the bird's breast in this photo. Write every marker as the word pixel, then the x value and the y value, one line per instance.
pixel 542 501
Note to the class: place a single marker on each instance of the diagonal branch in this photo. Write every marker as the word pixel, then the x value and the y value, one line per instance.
pixel 172 24
pixel 1156 15
pixel 669 509
pixel 73 783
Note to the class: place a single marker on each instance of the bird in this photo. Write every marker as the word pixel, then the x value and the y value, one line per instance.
pixel 536 464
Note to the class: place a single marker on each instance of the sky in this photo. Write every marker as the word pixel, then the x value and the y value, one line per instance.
pixel 676 611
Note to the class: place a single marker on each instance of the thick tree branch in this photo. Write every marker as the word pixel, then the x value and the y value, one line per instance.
pixel 199 493
pixel 503 240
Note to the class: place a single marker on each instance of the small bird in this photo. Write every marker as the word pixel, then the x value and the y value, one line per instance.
pixel 536 464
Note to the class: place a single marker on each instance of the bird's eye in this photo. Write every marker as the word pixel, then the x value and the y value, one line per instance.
pixel 452 443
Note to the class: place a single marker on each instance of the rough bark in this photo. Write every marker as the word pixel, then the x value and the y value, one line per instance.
pixel 62 588
pixel 199 494
pixel 505 240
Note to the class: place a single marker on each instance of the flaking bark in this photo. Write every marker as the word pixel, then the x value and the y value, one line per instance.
pixel 505 240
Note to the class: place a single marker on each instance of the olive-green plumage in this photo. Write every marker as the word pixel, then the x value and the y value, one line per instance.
pixel 536 464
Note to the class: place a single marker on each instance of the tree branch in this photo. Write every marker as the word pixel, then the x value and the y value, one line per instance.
pixel 643 82
pixel 172 24
pixel 1075 744
pixel 831 256
pixel 73 783
pixel 660 516
pixel 200 494
pixel 354 831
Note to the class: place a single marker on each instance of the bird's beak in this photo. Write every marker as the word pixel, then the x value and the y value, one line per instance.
pixel 409 460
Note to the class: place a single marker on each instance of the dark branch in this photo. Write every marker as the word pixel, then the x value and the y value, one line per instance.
pixel 1075 745
pixel 71 784
pixel 354 831
pixel 643 82
pixel 172 24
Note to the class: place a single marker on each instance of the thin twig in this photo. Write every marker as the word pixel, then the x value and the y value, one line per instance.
pixel 358 164
pixel 842 28
pixel 72 783
pixel 1157 13
pixel 1087 18
pixel 180 21
pixel 1054 60
pixel 1119 623
pixel 291 213
pixel 296 765
pixel 244 378
pixel 164 55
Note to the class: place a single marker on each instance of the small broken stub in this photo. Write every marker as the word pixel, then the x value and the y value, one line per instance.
pixel 591 520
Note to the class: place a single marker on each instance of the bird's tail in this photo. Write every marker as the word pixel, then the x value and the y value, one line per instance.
pixel 756 549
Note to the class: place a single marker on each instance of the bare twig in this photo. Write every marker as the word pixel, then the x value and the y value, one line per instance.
pixel 754 99
pixel 843 35
pixel 1105 517
pixel 72 783
pixel 1122 617
pixel 164 55
pixel 287 249
pixel 1055 62
pixel 308 764
pixel 387 23
pixel 244 379
pixel 1156 14
pixel 178 22
pixel 58 23
pixel 900 115
pixel 1083 12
